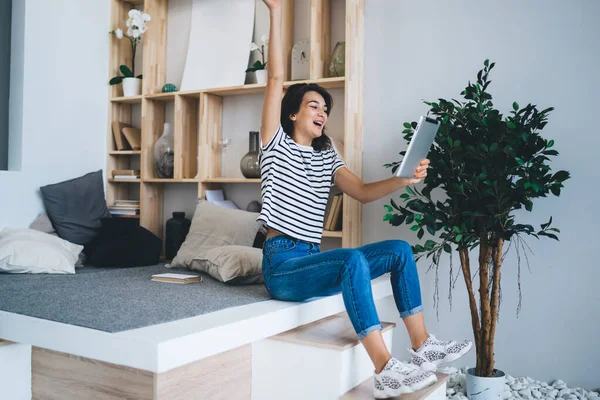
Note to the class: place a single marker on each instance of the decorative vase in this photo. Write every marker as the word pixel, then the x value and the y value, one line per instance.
pixel 176 232
pixel 249 163
pixel 132 87
pixel 337 64
pixel 261 76
pixel 163 153
pixel 484 388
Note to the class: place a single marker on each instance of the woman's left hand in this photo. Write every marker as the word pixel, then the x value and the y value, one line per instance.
pixel 420 173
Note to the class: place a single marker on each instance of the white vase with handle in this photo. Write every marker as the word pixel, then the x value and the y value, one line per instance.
pixel 132 87
pixel 261 75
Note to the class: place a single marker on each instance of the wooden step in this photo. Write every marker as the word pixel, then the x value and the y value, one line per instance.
pixel 434 392
pixel 335 332
pixel 317 361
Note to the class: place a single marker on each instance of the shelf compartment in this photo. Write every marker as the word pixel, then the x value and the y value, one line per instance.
pixel 160 180
pixel 112 180
pixel 332 234
pixel 162 96
pixel 230 180
pixel 128 99
pixel 186 138
pixel 125 153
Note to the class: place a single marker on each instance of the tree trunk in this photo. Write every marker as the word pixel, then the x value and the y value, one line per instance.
pixel 466 269
pixel 494 301
pixel 485 253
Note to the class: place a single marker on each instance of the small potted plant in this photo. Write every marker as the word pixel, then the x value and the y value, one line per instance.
pixel 259 68
pixel 137 25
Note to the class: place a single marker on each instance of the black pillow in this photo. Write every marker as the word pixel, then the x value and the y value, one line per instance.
pixel 76 206
pixel 123 243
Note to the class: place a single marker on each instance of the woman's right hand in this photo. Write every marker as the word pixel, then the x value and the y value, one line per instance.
pixel 272 4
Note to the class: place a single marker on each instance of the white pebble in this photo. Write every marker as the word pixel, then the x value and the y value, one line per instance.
pixel 507 395
pixel 591 395
pixel 557 382
pixel 564 392
pixel 525 393
pixel 536 394
pixel 516 386
pixel 510 379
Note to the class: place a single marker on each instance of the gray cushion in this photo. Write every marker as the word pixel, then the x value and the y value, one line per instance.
pixel 220 243
pixel 76 206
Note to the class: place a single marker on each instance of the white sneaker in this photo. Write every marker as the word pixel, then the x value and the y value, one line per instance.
pixel 398 378
pixel 435 352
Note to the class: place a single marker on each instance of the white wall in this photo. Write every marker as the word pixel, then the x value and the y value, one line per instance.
pixel 63 102
pixel 547 53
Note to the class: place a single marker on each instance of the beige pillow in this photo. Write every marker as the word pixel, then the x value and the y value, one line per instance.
pixel 220 243
pixel 231 264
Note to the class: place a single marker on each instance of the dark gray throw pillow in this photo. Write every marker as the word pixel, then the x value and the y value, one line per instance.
pixel 76 207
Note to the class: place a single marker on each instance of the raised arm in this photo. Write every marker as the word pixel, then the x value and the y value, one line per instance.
pixel 271 113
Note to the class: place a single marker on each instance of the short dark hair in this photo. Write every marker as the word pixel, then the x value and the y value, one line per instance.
pixel 291 105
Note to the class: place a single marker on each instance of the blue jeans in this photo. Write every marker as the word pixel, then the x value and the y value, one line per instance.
pixel 295 270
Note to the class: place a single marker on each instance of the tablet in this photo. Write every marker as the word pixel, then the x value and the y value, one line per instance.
pixel 418 148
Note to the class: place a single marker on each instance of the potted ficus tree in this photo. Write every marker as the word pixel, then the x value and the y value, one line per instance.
pixel 137 25
pixel 484 167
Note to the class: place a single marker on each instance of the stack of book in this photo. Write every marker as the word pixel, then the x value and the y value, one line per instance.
pixel 124 174
pixel 333 213
pixel 125 207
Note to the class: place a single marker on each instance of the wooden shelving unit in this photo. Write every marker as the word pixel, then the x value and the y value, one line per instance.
pixel 198 114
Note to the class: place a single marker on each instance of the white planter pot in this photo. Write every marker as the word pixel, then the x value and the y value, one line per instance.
pixel 261 76
pixel 132 87
pixel 479 388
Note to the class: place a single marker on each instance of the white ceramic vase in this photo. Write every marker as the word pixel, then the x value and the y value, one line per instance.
pixel 479 388
pixel 261 76
pixel 132 87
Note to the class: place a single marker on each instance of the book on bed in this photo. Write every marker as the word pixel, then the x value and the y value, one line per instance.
pixel 176 278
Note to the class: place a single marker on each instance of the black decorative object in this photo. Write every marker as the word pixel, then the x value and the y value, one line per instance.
pixel 249 163
pixel 254 206
pixel 177 230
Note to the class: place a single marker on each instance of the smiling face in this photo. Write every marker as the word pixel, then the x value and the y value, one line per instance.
pixel 310 119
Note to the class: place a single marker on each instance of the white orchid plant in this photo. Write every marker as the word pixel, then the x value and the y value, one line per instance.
pixel 137 25
pixel 258 65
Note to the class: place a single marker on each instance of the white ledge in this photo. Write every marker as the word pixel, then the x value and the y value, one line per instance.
pixel 159 348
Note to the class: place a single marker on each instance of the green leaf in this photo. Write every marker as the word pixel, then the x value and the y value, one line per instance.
pixel 405 196
pixel 555 190
pixel 387 217
pixel 395 205
pixel 560 176
pixel 494 147
pixel 447 248
pixel 407 125
pixel 430 244
pixel 486 62
pixel 528 205
pixel 456 229
pixel 431 230
pixel 515 106
pixel 140 76
pixel 527 185
pixel 414 228
pixel 550 144
pixel 116 80
pixel 420 233
pixel 257 64
pixel 410 218
pixel 409 190
pixel 418 217
pixel 397 219
pixel 126 71
pixel 547 224
pixel 388 208
pixel 459 237
pixel 456 143
pixel 519 160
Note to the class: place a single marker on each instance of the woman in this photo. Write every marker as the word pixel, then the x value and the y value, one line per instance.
pixel 298 168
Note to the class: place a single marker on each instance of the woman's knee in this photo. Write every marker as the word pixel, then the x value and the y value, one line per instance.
pixel 355 259
pixel 400 247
